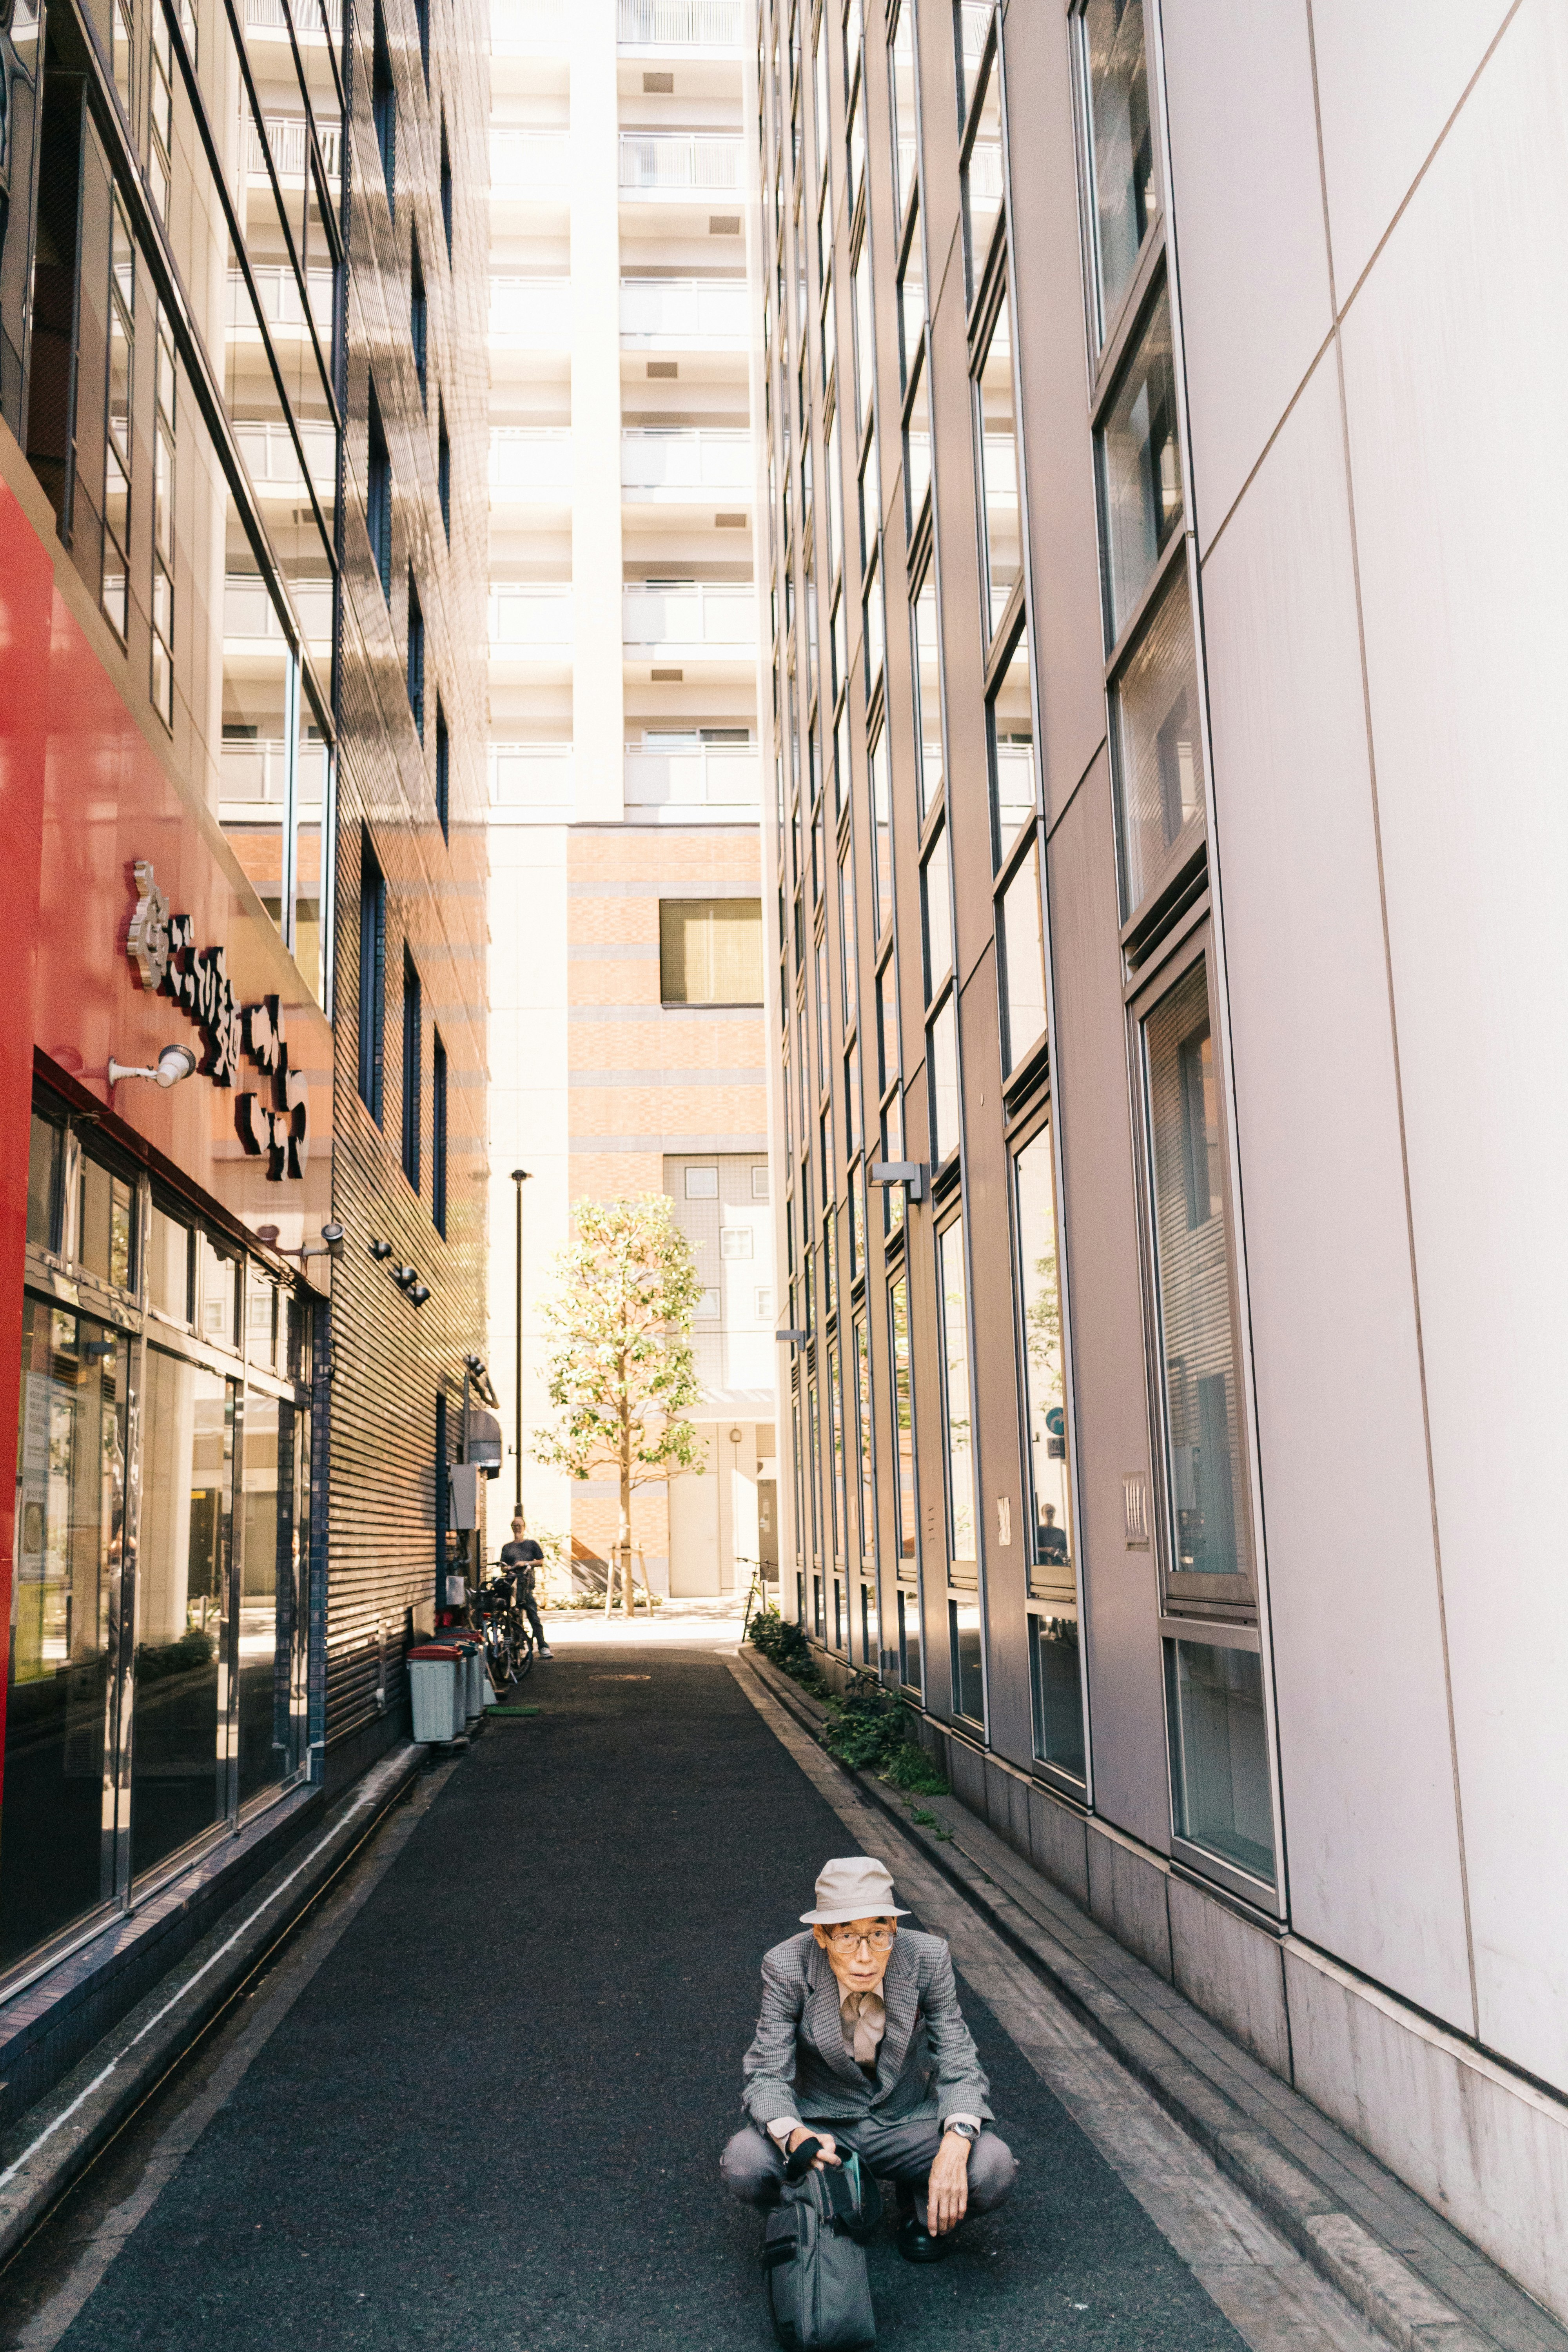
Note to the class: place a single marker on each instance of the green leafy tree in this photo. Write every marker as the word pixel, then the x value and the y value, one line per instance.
pixel 621 1375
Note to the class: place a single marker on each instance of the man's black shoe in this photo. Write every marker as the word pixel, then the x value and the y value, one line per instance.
pixel 917 2243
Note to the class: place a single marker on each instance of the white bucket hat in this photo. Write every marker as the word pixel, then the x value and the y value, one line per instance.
pixel 853 1888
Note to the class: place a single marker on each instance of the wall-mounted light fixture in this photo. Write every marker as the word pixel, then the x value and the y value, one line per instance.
pixel 792 1338
pixel 380 1251
pixel 174 1063
pixel 330 1244
pixel 910 1173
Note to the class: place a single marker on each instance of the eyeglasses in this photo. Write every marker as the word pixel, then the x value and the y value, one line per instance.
pixel 845 1939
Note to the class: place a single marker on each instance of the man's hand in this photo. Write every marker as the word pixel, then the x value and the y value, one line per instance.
pixel 826 2154
pixel 949 2190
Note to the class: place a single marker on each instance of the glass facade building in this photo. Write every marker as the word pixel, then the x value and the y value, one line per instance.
pixel 1100 776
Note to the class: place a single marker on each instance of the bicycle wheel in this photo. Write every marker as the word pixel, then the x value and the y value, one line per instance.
pixel 499 1656
pixel 522 1650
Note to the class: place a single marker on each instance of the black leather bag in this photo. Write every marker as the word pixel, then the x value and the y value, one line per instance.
pixel 814 2258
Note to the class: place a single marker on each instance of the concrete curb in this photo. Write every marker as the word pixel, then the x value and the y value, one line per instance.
pixel 1371 2276
pixel 47 2148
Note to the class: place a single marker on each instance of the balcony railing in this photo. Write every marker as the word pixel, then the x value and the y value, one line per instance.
pixel 529 162
pixel 532 310
pixel 523 615
pixel 268 451
pixel 698 777
pixel 703 310
pixel 681 24
pixel 286 136
pixel 282 304
pixel 257 772
pixel 688 613
pixel 679 160
pixel 249 613
pixel 531 775
pixel 528 458
pixel 311 22
pixel 686 459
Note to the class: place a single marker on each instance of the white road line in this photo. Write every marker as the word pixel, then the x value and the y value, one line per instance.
pixel 48 2322
pixel 1274 2300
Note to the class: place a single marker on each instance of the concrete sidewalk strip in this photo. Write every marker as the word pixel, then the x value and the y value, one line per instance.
pixel 1297 2167
pixel 49 2148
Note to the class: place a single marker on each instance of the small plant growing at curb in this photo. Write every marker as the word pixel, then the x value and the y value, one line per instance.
pixel 785 1646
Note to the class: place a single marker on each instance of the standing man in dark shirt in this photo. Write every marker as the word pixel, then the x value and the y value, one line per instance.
pixel 524 1557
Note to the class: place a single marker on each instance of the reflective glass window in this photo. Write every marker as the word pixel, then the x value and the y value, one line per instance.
pixel 999 466
pixel 944 1081
pixel 1056 1690
pixel 180 1715
pixel 1205 1466
pixel 1219 1753
pixel 901 1404
pixel 983 182
pixel 1045 1380
pixel 911 306
pixel 958 1425
pixel 1140 467
pixel 881 832
pixel 1011 724
pixel 917 448
pixel 928 693
pixel 1158 748
pixel 57 1858
pixel 968 1676
pixel 1120 141
pixel 936 899
pixel 905 116
pixel 909 1672
pixel 866 1442
pixel 1023 943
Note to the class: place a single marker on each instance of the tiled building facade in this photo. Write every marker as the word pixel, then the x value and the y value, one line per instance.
pixel 1135 436
pixel 627 1052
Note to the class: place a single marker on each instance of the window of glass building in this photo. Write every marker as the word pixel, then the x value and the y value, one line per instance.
pixel 874 633
pixel 851 966
pixel 870 501
pixel 943 1057
pixel 1010 728
pixel 1221 1799
pixel 1124 199
pixel 1140 467
pixel 121 324
pixel 999 466
pixel 165 404
pixel 957 1423
pixel 710 950
pixel 1056 1691
pixel 968 1673
pixel 901 1404
pixel 1044 1375
pixel 928 692
pixel 972 21
pixel 865 332
pixel 823 125
pixel 981 176
pixel 866 1446
pixel 936 909
pixel 1021 933
pixel 917 448
pixel 372 979
pixel 903 111
pixel 1158 746
pixel 413 1059
pixel 855 146
pixel 911 304
pixel 881 832
pixel 1205 1470
pixel 910 1673
pixel 835 1426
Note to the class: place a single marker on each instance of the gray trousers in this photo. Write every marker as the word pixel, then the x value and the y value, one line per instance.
pixel 752 2163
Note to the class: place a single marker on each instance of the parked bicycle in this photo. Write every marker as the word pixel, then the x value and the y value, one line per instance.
pixel 506 1633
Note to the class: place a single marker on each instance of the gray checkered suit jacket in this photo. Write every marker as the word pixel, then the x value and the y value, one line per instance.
pixel 797 2065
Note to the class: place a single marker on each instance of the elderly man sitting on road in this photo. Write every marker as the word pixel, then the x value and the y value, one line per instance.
pixel 861 2045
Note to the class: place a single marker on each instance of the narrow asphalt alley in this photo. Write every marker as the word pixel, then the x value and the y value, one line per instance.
pixel 492 2115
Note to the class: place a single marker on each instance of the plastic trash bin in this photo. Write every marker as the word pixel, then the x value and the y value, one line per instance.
pixel 437 1682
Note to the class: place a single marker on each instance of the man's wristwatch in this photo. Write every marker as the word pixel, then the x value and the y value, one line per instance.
pixel 965 2131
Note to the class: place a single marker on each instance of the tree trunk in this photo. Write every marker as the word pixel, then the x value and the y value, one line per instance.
pixel 624 1546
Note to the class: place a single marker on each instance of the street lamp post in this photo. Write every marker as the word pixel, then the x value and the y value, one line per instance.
pixel 519 1177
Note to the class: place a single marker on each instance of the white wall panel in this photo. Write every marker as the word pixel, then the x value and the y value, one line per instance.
pixel 1455 354
pixel 1248 206
pixel 1388 78
pixel 1365 1757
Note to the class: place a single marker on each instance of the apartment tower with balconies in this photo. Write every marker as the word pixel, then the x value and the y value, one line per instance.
pixel 627 1055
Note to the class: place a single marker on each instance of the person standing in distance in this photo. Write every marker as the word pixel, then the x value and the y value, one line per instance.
pixel 524 1557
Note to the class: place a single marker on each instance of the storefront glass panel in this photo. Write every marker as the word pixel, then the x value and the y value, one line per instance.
pixel 57 1842
pixel 180 1714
